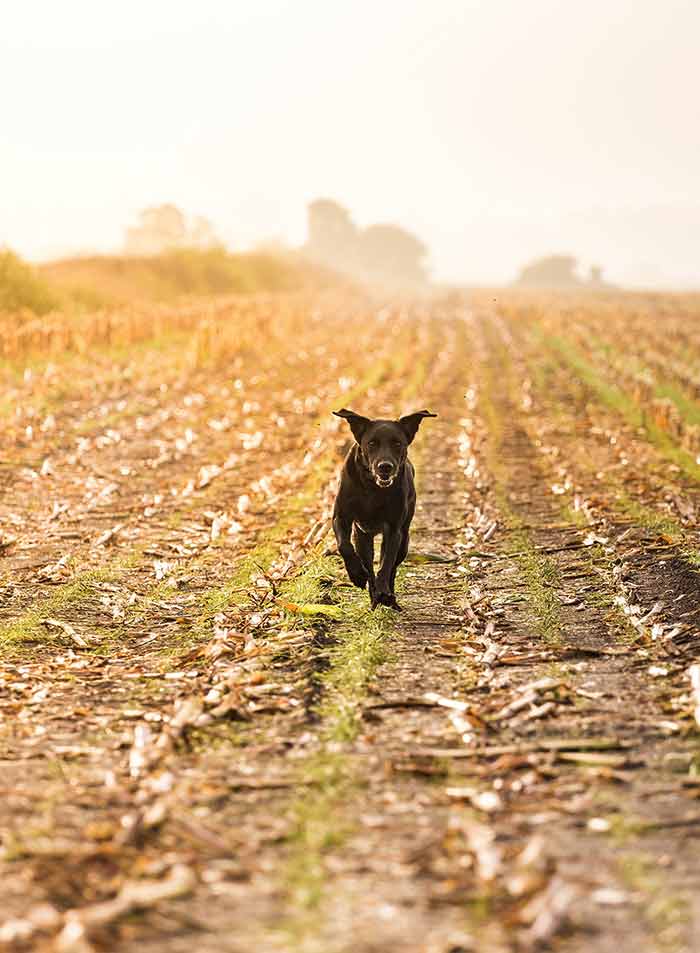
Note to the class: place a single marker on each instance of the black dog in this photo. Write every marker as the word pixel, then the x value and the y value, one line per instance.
pixel 377 495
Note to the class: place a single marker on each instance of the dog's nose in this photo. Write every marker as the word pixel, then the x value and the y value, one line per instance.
pixel 385 469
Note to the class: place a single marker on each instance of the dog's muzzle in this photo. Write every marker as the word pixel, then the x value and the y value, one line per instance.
pixel 384 474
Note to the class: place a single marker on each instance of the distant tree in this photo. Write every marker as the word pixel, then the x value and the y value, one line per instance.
pixel 332 235
pixel 164 227
pixel 384 254
pixel 393 255
pixel 201 234
pixel 557 270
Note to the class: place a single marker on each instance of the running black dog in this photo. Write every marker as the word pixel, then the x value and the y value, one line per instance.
pixel 377 495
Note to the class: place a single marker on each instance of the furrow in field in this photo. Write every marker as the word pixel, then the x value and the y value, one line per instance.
pixel 357 880
pixel 602 472
pixel 564 669
pixel 605 353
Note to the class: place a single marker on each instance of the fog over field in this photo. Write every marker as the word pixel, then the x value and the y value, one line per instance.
pixel 349 476
pixel 497 131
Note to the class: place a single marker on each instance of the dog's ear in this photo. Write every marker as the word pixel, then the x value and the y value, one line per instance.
pixel 358 424
pixel 411 422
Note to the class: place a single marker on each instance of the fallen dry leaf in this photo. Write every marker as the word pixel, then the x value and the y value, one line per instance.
pixel 68 630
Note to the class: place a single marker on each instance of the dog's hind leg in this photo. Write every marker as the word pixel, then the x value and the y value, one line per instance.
pixel 400 556
pixel 384 591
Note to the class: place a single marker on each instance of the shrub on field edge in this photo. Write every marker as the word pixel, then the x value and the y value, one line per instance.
pixel 21 286
pixel 214 270
pixel 183 271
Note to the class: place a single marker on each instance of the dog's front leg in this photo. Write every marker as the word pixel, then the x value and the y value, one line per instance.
pixel 364 546
pixel 391 544
pixel 342 527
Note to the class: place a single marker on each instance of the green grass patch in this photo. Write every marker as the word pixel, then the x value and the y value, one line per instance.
pixel 687 406
pixel 541 578
pixel 360 649
pixel 316 829
pixel 330 776
pixel 359 643
pixel 651 519
pixel 618 401
pixel 68 596
pixel 667 912
pixel 539 573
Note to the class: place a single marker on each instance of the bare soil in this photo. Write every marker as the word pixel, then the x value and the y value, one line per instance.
pixel 208 740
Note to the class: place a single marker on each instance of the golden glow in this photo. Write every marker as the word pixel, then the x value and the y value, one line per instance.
pixel 496 130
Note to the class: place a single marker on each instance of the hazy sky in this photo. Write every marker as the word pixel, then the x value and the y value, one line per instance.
pixel 496 129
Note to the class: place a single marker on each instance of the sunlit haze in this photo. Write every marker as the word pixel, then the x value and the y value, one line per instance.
pixel 496 131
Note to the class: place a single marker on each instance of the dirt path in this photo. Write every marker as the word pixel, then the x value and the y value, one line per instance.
pixel 247 758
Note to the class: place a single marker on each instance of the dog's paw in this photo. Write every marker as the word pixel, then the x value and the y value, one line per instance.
pixel 358 575
pixel 384 598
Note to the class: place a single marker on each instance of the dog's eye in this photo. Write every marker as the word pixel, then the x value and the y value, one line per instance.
pixel 397 444
pixel 371 443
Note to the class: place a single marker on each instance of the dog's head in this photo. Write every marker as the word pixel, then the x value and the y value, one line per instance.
pixel 383 443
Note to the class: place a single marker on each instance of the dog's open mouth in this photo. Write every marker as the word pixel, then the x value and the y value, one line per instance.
pixel 383 482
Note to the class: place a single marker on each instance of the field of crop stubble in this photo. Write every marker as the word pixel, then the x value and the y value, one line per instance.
pixel 208 742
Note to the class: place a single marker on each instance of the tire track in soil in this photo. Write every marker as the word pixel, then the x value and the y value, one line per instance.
pixel 377 893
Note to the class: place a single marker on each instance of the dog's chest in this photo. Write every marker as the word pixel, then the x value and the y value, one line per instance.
pixel 371 516
pixel 371 529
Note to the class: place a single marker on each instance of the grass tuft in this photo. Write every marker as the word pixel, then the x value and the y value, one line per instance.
pixel 541 578
pixel 68 596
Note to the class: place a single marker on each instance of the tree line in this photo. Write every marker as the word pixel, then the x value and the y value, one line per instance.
pixel 379 254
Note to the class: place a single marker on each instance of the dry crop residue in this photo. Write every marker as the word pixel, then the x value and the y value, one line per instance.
pixel 208 740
